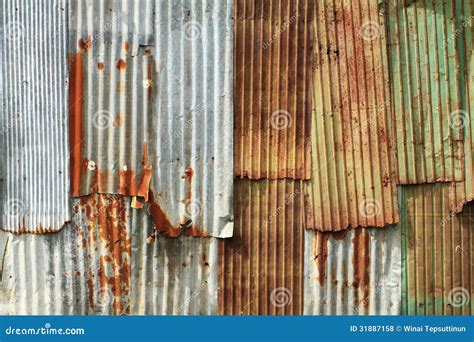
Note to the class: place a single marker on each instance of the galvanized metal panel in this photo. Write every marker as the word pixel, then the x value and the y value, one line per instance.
pixel 261 266
pixel 353 181
pixel 427 62
pixel 104 262
pixel 33 133
pixel 272 86
pixel 158 118
pixel 354 272
pixel 438 263
pixel 172 276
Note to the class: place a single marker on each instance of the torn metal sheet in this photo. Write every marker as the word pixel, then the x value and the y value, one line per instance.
pixel 155 123
pixel 353 272
pixel 353 180
pixel 34 173
pixel 261 266
pixel 272 85
pixel 428 71
pixel 437 245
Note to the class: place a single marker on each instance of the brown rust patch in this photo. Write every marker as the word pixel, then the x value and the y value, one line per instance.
pixel 126 47
pixel 136 204
pixel 144 184
pixel 127 185
pixel 162 223
pixel 361 265
pixel 86 44
pixel 119 121
pixel 100 66
pixel 76 86
pixel 320 254
pixel 121 64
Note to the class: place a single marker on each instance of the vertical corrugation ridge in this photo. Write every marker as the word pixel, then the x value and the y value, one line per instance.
pixel 34 174
pixel 271 107
pixel 261 266
pixel 353 144
pixel 354 272
pixel 426 90
pixel 437 253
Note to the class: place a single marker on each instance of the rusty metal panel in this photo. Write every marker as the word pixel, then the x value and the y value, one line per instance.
pixel 353 272
pixel 261 266
pixel 272 90
pixel 438 264
pixel 172 276
pixel 151 109
pixel 106 261
pixel 34 156
pixel 428 65
pixel 353 181
pixel 83 269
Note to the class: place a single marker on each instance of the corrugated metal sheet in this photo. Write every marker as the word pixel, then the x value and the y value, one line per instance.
pixel 353 179
pixel 438 263
pixel 105 262
pixel 173 276
pixel 272 89
pixel 354 272
pixel 155 117
pixel 261 266
pixel 33 132
pixel 427 48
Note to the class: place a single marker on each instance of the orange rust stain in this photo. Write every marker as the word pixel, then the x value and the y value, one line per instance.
pixel 119 121
pixel 75 120
pixel 125 47
pixel 148 52
pixel 90 286
pixel 361 264
pixel 136 203
pixel 121 64
pixel 85 44
pixel 204 260
pixel 162 223
pixel 127 185
pixel 320 254
pixel 194 231
pixel 100 66
pixel 144 184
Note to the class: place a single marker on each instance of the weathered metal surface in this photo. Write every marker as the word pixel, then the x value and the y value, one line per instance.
pixel 438 264
pixel 33 117
pixel 172 276
pixel 83 269
pixel 353 181
pixel 272 90
pixel 105 262
pixel 261 266
pixel 354 272
pixel 151 109
pixel 427 49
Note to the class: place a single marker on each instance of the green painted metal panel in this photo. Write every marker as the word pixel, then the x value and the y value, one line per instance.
pixel 427 42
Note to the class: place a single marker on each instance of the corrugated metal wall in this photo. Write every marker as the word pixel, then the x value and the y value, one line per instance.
pixel 151 108
pixel 34 172
pixel 354 272
pixel 272 87
pixel 261 266
pixel 437 247
pixel 353 181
